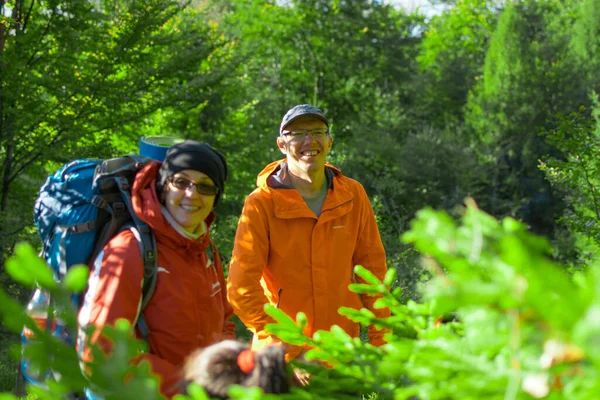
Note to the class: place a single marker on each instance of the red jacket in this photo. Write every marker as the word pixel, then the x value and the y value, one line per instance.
pixel 188 309
pixel 286 256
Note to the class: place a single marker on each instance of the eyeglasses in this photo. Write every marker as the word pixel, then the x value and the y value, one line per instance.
pixel 318 133
pixel 203 188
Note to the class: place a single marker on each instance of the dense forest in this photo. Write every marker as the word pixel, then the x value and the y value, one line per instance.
pixel 487 111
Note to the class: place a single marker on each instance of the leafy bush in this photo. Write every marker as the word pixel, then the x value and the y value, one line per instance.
pixel 575 173
pixel 517 326
pixel 500 320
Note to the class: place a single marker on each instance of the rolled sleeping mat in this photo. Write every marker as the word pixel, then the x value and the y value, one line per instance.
pixel 156 146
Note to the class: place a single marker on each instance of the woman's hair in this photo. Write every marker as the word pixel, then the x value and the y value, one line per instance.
pixel 227 363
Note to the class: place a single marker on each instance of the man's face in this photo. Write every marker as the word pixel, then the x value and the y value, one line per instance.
pixel 305 152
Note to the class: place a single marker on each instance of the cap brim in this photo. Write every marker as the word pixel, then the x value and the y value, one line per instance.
pixel 297 117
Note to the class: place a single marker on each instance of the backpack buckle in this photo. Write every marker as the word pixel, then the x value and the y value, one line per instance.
pixel 82 228
pixel 150 256
pixel 123 184
pixel 99 202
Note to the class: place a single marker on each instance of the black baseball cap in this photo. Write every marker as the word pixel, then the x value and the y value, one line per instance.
pixel 302 110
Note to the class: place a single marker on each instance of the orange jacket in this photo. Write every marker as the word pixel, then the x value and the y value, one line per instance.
pixel 188 309
pixel 286 256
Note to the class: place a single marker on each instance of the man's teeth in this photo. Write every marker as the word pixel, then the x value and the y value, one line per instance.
pixel 310 153
pixel 190 208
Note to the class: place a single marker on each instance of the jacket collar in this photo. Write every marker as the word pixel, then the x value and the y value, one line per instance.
pixel 281 179
pixel 289 204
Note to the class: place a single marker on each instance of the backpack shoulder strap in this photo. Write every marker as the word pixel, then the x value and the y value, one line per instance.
pixel 147 243
pixel 149 255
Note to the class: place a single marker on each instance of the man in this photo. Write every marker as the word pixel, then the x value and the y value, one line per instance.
pixel 300 235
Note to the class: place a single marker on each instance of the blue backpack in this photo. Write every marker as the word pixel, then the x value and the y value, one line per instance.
pixel 79 209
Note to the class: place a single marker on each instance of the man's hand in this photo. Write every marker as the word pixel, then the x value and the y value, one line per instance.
pixel 301 377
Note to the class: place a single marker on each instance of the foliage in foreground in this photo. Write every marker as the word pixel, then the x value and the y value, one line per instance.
pixel 500 321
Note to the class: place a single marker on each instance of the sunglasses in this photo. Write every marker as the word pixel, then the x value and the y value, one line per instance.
pixel 184 184
pixel 318 133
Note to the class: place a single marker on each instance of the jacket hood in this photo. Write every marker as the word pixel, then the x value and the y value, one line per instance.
pixel 146 206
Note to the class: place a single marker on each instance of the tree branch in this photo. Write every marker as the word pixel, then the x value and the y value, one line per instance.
pixel 23 166
pixel 9 234
pixel 28 15
pixel 46 29
pixel 592 191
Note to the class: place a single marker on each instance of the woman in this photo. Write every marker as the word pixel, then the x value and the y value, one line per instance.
pixel 189 308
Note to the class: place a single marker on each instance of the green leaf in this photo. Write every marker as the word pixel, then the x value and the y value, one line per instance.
pixel 287 335
pixel 301 320
pixel 280 316
pixel 355 315
pixel 28 269
pixel 362 288
pixel 366 275
pixel 76 279
pixel 241 393
pixel 195 391
pixel 510 225
pixel 123 325
pixel 390 277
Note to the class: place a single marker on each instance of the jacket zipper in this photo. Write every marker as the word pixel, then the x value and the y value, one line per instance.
pixel 278 297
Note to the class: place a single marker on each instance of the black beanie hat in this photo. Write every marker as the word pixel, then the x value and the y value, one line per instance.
pixel 197 156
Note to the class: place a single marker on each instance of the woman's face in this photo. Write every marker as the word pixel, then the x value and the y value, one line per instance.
pixel 184 201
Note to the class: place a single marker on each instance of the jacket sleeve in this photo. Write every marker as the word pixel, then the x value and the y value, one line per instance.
pixel 250 255
pixel 115 292
pixel 228 326
pixel 369 253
